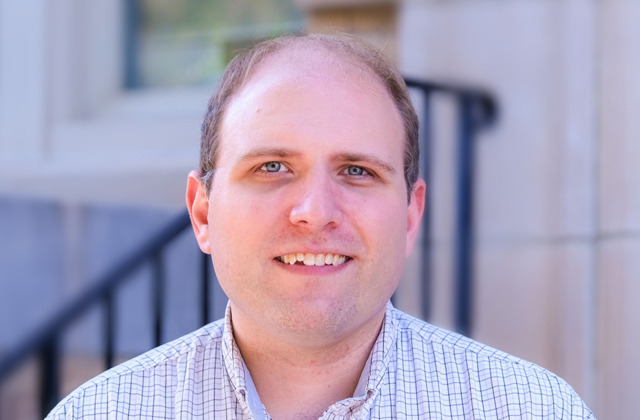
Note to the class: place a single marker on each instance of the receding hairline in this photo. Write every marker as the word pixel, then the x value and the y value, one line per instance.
pixel 343 50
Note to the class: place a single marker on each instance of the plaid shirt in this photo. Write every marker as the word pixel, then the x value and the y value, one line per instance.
pixel 415 371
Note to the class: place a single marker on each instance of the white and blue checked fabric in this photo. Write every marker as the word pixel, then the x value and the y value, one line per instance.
pixel 415 371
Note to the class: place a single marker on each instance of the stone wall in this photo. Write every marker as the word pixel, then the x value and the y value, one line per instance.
pixel 558 184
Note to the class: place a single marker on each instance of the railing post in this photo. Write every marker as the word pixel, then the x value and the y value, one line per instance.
pixel 205 289
pixel 475 112
pixel 109 329
pixel 158 283
pixel 464 217
pixel 425 172
pixel 49 359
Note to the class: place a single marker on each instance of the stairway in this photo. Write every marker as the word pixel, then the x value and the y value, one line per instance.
pixel 19 395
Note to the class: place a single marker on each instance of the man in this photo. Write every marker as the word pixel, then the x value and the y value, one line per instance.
pixel 308 201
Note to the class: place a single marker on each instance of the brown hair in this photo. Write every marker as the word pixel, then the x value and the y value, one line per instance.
pixel 241 66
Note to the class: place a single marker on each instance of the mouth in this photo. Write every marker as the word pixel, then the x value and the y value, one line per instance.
pixel 313 259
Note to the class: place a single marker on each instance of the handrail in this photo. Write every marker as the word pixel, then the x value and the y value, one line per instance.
pixel 47 337
pixel 476 109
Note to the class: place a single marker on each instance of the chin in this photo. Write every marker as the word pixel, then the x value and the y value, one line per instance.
pixel 316 316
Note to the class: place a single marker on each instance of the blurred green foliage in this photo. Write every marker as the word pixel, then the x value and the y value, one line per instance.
pixel 189 42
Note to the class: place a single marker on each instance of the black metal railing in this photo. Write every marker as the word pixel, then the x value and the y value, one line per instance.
pixel 45 343
pixel 475 110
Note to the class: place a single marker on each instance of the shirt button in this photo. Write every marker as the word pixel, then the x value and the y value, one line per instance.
pixel 358 415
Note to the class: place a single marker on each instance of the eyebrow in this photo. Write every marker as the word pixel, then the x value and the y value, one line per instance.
pixel 365 157
pixel 267 151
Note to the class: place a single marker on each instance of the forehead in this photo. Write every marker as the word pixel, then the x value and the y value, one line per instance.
pixel 313 87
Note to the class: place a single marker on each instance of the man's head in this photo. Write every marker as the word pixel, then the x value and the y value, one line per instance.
pixel 242 66
pixel 306 217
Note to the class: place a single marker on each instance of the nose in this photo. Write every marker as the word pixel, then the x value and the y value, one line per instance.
pixel 316 204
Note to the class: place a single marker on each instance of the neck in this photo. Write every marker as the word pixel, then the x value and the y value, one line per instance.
pixel 297 380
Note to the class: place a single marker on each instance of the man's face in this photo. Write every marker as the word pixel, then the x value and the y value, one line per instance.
pixel 310 165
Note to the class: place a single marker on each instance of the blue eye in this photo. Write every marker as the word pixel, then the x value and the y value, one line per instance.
pixel 272 166
pixel 355 170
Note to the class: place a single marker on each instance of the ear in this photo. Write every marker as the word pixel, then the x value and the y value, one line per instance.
pixel 198 206
pixel 414 213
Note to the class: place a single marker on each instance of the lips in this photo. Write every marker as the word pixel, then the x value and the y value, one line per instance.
pixel 313 259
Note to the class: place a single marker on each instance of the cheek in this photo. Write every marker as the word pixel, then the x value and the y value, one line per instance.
pixel 225 231
pixel 384 220
pixel 382 228
pixel 239 226
pixel 234 212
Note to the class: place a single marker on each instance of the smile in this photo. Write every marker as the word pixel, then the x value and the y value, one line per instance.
pixel 313 259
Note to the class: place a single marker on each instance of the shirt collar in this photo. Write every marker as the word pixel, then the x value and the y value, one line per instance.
pixel 233 362
pixel 381 353
pixel 370 379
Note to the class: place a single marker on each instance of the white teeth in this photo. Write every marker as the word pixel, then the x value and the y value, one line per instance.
pixel 314 259
pixel 309 259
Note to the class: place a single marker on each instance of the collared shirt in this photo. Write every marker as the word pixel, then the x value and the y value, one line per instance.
pixel 415 370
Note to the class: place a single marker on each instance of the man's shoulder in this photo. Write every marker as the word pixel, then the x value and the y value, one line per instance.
pixel 159 365
pixel 463 366
pixel 415 332
pixel 207 337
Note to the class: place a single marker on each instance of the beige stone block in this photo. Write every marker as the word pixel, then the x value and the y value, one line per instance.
pixel 620 117
pixel 535 167
pixel 442 297
pixel 533 300
pixel 619 329
pixel 373 21
pixel 408 295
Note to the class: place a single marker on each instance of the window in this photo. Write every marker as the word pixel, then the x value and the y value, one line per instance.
pixel 179 43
